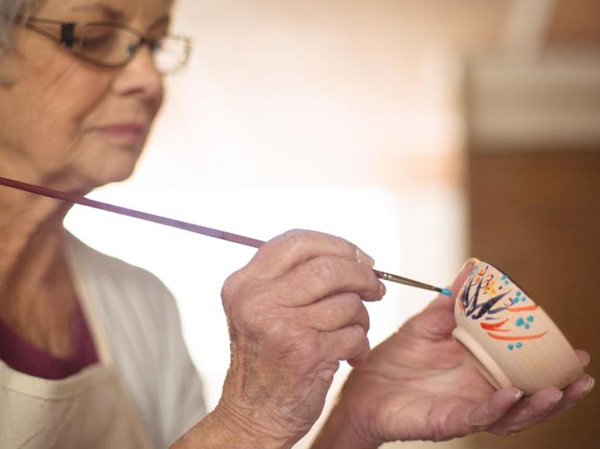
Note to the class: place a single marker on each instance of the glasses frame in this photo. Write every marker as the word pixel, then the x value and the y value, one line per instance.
pixel 67 37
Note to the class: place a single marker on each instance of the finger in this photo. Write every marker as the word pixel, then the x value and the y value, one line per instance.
pixel 527 411
pixel 292 248
pixel 348 343
pixel 584 357
pixel 494 408
pixel 437 320
pixel 572 394
pixel 326 276
pixel 360 358
pixel 338 311
pixel 460 278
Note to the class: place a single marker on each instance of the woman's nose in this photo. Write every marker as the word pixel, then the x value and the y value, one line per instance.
pixel 141 78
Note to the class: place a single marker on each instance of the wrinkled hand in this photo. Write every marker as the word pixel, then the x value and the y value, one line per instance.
pixel 293 312
pixel 421 385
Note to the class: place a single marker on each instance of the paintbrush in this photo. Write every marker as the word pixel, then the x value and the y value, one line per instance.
pixel 191 227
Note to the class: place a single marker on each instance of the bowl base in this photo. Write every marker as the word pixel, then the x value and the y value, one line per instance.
pixel 484 362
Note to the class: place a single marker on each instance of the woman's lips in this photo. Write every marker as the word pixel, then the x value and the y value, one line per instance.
pixel 129 132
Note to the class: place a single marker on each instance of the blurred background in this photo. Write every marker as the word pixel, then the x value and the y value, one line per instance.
pixel 425 131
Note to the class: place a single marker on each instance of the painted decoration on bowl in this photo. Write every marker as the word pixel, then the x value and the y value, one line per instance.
pixel 503 310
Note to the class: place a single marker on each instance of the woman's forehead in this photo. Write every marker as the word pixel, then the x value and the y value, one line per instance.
pixel 117 10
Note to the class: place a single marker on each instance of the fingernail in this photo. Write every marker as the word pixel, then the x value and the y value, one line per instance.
pixel 469 261
pixel 587 360
pixel 518 395
pixel 556 399
pixel 382 288
pixel 362 257
pixel 590 385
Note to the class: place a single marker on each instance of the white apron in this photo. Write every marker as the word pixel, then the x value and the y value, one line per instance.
pixel 90 409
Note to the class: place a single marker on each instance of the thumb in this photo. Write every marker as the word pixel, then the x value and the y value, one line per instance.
pixel 437 320
pixel 462 276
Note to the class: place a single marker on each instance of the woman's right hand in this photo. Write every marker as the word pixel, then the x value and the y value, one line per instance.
pixel 293 313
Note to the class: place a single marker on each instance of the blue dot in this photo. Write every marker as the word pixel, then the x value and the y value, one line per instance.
pixel 527 326
pixel 519 345
pixel 503 277
pixel 518 293
pixel 530 318
pixel 511 346
pixel 520 322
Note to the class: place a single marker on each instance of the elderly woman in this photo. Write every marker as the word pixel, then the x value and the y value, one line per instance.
pixel 91 349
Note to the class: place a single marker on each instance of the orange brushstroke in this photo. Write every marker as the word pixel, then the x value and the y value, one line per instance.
pixel 522 309
pixel 493 326
pixel 523 337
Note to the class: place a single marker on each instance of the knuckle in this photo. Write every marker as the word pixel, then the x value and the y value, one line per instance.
pixel 356 335
pixel 307 348
pixel 354 308
pixel 302 351
pixel 347 247
pixel 357 344
pixel 295 239
pixel 320 274
pixel 327 312
pixel 322 268
pixel 230 290
pixel 356 305
pixel 365 319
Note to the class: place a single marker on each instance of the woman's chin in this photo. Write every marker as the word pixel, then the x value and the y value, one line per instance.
pixel 118 174
pixel 118 167
pixel 85 180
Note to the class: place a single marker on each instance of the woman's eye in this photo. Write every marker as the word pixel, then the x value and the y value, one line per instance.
pixel 98 41
pixel 156 44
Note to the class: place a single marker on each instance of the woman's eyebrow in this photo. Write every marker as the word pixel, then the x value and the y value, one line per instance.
pixel 163 20
pixel 113 14
pixel 110 12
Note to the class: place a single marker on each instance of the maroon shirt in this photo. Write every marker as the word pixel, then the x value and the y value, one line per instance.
pixel 22 356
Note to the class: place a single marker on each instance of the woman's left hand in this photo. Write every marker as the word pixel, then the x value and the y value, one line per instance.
pixel 421 385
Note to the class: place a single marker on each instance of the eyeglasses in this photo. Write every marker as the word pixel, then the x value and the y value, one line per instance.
pixel 113 45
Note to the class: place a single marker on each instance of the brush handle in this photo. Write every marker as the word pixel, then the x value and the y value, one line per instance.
pixel 191 227
pixel 76 199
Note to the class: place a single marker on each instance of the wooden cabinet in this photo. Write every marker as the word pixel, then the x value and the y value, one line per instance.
pixel 534 207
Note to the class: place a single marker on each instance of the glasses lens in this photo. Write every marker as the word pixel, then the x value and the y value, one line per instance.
pixel 107 45
pixel 171 53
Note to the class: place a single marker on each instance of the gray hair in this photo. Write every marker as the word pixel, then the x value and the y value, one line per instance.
pixel 10 12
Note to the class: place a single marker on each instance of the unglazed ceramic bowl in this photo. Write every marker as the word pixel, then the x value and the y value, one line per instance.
pixel 513 340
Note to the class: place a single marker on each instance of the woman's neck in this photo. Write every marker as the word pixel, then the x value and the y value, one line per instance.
pixel 36 294
pixel 29 227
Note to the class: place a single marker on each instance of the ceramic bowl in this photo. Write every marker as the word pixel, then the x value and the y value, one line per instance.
pixel 513 341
